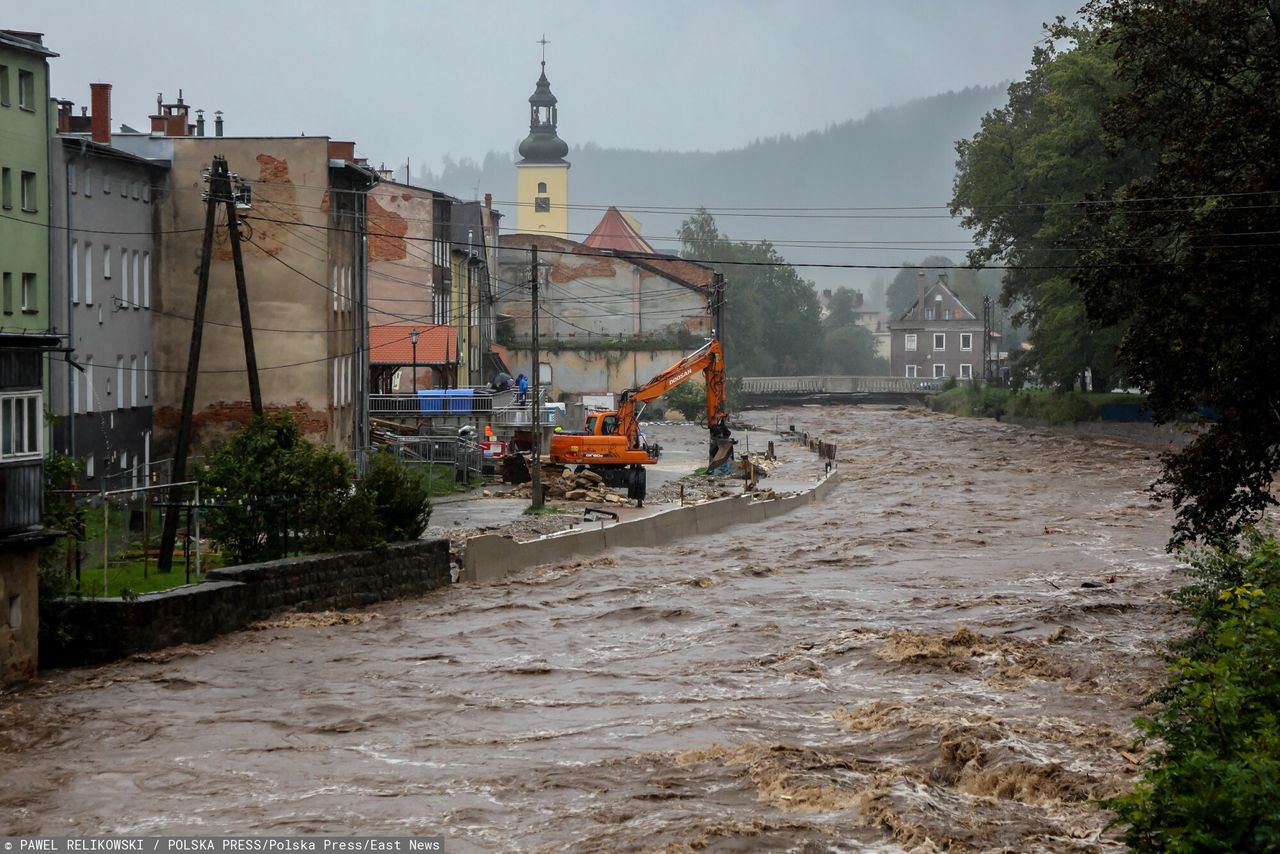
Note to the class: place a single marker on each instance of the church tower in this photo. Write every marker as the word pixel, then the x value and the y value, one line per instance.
pixel 542 173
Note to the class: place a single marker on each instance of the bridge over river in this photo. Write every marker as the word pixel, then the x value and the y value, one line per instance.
pixel 764 391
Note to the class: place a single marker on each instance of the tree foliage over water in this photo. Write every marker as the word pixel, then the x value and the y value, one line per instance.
pixel 1132 183
pixel 1185 256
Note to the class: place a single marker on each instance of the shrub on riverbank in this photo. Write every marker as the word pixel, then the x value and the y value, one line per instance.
pixel 988 401
pixel 1214 781
pixel 275 492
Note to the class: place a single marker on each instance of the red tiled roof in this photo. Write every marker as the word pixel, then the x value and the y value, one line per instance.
pixel 391 344
pixel 615 231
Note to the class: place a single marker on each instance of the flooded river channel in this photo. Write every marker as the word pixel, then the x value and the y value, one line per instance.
pixel 911 664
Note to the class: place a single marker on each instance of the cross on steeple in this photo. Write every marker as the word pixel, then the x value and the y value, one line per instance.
pixel 543 41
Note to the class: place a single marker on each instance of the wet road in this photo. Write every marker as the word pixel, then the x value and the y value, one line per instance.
pixel 910 665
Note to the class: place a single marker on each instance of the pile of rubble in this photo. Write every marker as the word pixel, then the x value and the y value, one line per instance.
pixel 583 485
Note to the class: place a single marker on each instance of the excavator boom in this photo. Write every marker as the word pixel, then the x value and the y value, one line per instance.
pixel 611 444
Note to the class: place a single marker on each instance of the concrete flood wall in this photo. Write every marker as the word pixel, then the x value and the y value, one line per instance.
pixel 99 630
pixel 492 558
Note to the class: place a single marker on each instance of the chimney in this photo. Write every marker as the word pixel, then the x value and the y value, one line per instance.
pixel 488 200
pixel 920 295
pixel 217 122
pixel 199 122
pixel 64 116
pixel 100 99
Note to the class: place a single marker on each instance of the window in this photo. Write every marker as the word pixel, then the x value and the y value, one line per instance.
pixel 75 392
pixel 6 188
pixel 946 314
pixel 939 370
pixel 4 85
pixel 966 340
pixel 939 341
pixel 29 197
pixel 88 387
pixel 912 371
pixel 146 192
pixel 133 188
pixel 88 181
pixel 88 467
pixel 106 262
pixel 119 382
pixel 542 204
pixel 137 278
pixel 124 278
pixel 75 272
pixel 88 274
pixel 146 375
pixel 71 179
pixel 966 372
pixel 133 381
pixel 106 181
pixel 29 293
pixel 909 342
pixel 8 293
pixel 21 425
pixel 26 90
pixel 146 280
pixel 542 186
pixel 928 314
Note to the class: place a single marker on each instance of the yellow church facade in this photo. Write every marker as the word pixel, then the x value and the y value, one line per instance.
pixel 542 173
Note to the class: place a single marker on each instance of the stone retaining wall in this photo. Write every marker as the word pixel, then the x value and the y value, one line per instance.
pixel 232 598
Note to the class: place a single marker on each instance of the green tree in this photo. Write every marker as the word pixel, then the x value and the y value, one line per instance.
pixel 851 350
pixel 1020 184
pixel 840 311
pixel 772 324
pixel 1183 256
pixel 1212 780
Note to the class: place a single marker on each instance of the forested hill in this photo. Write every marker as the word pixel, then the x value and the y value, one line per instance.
pixel 898 156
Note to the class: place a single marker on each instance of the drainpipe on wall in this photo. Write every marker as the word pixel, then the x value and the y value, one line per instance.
pixel 71 323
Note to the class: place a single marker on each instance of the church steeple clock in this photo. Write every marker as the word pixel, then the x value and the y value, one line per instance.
pixel 542 173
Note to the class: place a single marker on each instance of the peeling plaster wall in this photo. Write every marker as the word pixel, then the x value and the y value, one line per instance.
pixel 400 254
pixel 299 332
pixel 589 299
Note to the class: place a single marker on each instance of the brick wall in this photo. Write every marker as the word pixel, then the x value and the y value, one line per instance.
pixel 230 599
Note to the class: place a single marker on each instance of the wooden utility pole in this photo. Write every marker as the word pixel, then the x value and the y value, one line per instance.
pixel 242 292
pixel 535 410
pixel 219 193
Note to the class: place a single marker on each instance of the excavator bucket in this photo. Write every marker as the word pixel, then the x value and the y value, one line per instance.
pixel 721 455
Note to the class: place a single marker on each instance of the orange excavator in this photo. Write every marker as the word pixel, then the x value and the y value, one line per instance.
pixel 611 444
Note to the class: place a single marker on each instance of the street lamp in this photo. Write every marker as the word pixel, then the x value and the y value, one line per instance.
pixel 413 339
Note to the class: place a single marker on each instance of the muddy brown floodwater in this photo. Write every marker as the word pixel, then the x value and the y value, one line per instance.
pixel 909 665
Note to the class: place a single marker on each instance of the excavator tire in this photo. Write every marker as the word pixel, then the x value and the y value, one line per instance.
pixel 636 483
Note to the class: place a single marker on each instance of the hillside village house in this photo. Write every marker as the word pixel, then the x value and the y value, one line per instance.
pixel 937 337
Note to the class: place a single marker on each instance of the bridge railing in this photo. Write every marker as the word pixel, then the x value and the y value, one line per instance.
pixel 838 385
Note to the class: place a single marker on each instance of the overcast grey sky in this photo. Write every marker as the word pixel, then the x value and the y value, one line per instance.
pixel 432 78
